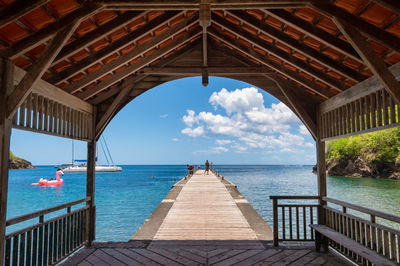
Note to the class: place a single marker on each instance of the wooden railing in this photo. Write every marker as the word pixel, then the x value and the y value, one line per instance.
pixel 295 218
pixel 48 241
pixel 365 226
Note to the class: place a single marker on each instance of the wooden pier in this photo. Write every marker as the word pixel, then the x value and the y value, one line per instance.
pixel 203 220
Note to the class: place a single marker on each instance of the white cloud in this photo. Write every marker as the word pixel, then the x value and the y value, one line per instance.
pixel 190 118
pixel 223 141
pixel 193 132
pixel 303 130
pixel 164 116
pixel 248 122
pixel 213 150
pixel 175 139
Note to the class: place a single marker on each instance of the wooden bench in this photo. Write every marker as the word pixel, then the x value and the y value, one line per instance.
pixel 369 254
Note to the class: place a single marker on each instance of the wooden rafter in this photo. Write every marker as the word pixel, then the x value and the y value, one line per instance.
pixel 161 64
pixel 35 72
pixel 314 32
pixel 141 63
pixel 47 32
pixel 97 34
pixel 326 93
pixel 115 46
pixel 392 5
pixel 136 52
pixel 269 48
pixel 372 60
pixel 373 32
pixel 298 46
pixel 17 9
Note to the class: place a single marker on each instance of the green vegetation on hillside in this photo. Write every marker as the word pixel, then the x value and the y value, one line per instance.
pixel 381 147
pixel 12 156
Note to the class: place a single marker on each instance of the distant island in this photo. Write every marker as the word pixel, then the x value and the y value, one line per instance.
pixel 18 163
pixel 375 154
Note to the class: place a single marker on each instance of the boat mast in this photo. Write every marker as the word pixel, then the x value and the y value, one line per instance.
pixel 72 162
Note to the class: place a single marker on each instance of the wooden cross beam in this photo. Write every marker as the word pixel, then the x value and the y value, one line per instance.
pixel 297 45
pixel 371 31
pixel 269 48
pixel 376 64
pixel 18 8
pixel 45 33
pixel 326 93
pixel 35 72
pixel 190 4
pixel 115 46
pixel 188 71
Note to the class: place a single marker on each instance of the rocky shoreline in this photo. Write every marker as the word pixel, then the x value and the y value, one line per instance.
pixel 19 163
pixel 362 166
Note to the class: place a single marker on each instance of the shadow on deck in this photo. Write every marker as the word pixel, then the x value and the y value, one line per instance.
pixel 200 252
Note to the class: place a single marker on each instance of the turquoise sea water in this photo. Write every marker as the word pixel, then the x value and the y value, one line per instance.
pixel 126 199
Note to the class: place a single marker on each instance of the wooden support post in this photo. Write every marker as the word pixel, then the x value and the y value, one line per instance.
pixel 6 87
pixel 205 22
pixel 275 217
pixel 322 192
pixel 90 187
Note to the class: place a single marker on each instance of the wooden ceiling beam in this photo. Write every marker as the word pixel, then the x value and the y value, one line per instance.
pixel 371 31
pixel 184 71
pixel 35 72
pixel 314 32
pixel 136 52
pixel 97 34
pixel 271 49
pixel 188 4
pixel 374 62
pixel 392 5
pixel 114 47
pixel 47 32
pixel 298 46
pixel 324 92
pixel 141 63
pixel 17 9
pixel 162 63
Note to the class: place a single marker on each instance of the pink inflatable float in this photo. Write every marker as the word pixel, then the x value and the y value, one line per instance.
pixel 45 182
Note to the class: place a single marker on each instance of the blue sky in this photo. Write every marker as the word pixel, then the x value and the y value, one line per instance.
pixel 179 122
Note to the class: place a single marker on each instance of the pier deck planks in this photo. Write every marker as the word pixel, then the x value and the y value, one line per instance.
pixel 203 226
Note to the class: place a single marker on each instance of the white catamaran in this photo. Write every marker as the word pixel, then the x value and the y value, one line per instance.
pixel 78 166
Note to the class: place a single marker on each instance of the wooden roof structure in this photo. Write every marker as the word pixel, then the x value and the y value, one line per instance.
pixel 334 63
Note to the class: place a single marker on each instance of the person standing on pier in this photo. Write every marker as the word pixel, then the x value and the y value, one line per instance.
pixel 207 166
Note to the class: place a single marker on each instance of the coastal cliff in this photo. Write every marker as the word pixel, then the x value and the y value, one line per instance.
pixel 374 154
pixel 18 163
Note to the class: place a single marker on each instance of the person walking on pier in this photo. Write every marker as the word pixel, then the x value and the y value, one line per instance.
pixel 207 166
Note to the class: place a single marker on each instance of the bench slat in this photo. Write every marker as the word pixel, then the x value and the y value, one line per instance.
pixel 366 253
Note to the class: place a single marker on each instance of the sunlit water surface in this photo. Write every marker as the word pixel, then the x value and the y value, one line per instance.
pixel 124 200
